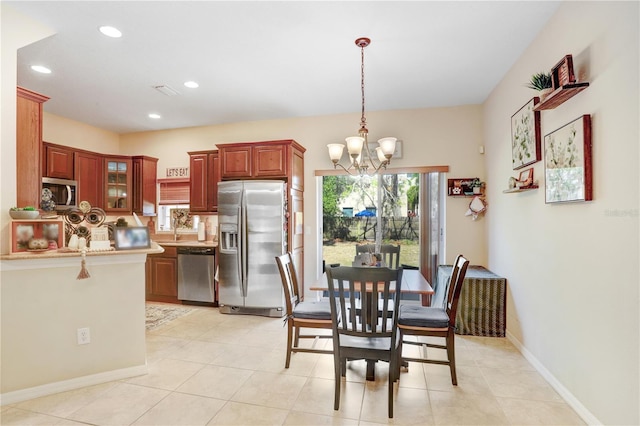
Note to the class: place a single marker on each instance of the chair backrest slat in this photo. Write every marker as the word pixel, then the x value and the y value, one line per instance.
pixel 368 299
pixel 390 253
pixel 289 281
pixel 456 280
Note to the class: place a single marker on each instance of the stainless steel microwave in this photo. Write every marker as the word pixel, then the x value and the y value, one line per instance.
pixel 64 192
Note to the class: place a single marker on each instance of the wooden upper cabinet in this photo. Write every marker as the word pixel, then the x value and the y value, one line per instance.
pixel 204 172
pixel 28 147
pixel 198 170
pixel 263 160
pixel 88 172
pixel 118 184
pixel 58 161
pixel 270 160
pixel 235 162
pixel 145 170
pixel 213 179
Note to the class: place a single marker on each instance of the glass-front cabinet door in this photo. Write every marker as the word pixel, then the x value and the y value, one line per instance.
pixel 118 184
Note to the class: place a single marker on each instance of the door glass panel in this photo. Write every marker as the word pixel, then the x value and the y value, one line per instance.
pixel 382 209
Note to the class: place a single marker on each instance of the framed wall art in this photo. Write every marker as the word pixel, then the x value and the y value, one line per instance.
pixel 567 162
pixel 525 135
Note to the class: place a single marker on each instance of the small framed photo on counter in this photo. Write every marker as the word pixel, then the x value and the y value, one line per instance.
pixel 36 235
pixel 131 238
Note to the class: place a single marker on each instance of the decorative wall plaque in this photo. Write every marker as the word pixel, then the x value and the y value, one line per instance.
pixel 178 172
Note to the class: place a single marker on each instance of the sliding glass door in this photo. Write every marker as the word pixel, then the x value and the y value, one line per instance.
pixel 396 208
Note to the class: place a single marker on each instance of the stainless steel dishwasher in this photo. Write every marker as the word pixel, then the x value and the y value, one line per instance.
pixel 196 269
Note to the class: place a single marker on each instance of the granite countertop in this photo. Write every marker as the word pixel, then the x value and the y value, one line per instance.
pixel 187 243
pixel 67 252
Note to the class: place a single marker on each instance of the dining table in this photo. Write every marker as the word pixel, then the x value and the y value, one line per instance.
pixel 413 282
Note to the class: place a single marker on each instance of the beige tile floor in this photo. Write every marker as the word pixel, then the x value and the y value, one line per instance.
pixel 207 368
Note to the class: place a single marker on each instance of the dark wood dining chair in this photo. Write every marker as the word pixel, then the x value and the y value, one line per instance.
pixel 370 332
pixel 301 314
pixel 390 253
pixel 415 320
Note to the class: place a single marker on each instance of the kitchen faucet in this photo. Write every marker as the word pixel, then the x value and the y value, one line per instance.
pixel 175 229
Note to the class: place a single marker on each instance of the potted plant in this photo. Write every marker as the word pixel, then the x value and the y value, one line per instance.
pixel 542 82
pixel 477 185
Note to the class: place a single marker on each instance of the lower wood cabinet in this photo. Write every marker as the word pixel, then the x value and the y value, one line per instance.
pixel 162 276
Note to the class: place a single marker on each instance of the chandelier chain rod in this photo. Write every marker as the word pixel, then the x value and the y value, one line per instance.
pixel 363 120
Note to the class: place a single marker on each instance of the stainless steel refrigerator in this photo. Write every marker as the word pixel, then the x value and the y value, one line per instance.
pixel 252 232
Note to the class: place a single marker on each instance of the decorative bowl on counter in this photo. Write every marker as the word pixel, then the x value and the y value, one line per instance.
pixel 24 214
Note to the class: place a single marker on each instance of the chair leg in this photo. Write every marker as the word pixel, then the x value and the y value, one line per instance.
pixel 289 341
pixel 451 353
pixel 337 366
pixel 390 401
pixel 297 339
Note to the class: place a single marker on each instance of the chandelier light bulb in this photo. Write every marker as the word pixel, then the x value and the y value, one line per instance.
pixel 354 145
pixel 335 151
pixel 388 145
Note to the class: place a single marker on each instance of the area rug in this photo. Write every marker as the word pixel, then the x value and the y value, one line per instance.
pixel 157 315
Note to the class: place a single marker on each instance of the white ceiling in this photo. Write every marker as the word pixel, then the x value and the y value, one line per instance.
pixel 267 59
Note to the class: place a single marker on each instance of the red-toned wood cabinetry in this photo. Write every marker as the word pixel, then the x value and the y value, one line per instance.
pixel 88 172
pixel 145 170
pixel 28 147
pixel 58 161
pixel 161 276
pixel 204 171
pixel 118 184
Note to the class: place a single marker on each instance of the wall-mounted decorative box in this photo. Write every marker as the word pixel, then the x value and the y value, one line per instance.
pixel 562 73
pixel 36 236
pixel 460 187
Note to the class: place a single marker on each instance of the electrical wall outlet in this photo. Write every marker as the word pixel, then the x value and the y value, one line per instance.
pixel 84 336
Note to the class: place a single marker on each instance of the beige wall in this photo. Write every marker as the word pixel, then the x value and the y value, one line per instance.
pixel 43 305
pixel 17 31
pixel 439 136
pixel 573 268
pixel 63 131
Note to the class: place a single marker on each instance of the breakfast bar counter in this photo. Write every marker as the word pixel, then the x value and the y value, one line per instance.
pixel 47 304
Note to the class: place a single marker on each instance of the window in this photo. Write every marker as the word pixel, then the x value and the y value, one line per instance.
pixel 174 194
pixel 405 207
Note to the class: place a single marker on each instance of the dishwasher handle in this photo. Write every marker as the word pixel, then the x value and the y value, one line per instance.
pixel 197 251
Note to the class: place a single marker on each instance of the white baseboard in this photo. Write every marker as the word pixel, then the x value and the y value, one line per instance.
pixel 568 397
pixel 71 384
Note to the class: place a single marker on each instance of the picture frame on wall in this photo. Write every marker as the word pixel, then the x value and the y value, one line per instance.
pixel 526 178
pixel 567 165
pixel 525 135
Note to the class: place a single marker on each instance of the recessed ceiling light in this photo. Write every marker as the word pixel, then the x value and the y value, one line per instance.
pixel 40 68
pixel 154 115
pixel 110 31
pixel 191 84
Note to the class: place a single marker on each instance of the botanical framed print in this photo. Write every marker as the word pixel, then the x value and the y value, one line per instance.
pixel 525 135
pixel 567 162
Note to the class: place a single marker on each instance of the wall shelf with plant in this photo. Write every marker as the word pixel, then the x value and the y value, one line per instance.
pixel 465 187
pixel 558 86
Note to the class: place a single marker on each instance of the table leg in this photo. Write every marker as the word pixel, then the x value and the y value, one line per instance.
pixel 371 370
pixel 426 300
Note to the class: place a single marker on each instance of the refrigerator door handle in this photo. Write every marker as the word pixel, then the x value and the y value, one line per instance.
pixel 240 248
pixel 243 248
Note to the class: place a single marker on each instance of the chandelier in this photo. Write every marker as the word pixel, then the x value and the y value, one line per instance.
pixel 360 154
